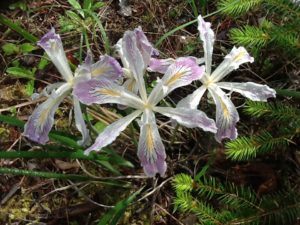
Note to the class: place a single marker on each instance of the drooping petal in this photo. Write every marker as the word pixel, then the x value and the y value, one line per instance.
pixel 80 124
pixel 190 118
pixel 192 101
pixel 232 61
pixel 111 132
pixel 183 72
pixel 135 60
pixel 151 150
pixel 41 121
pixel 51 43
pixel 105 91
pixel 226 114
pixel 208 37
pixel 253 91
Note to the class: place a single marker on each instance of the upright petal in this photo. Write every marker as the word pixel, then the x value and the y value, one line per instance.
pixel 151 150
pixel 51 43
pixel 192 101
pixel 111 132
pixel 232 61
pixel 105 91
pixel 106 67
pixel 144 46
pixel 226 114
pixel 183 72
pixel 208 37
pixel 41 121
pixel 190 118
pixel 80 124
pixel 253 91
pixel 135 60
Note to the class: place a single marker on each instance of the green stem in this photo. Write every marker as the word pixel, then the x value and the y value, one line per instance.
pixel 30 173
pixel 288 93
pixel 52 155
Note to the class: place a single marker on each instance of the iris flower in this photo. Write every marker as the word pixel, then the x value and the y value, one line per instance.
pixel 183 71
pixel 226 113
pixel 41 121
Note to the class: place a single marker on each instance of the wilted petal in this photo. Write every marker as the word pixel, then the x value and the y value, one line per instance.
pixel 192 101
pixel 41 121
pixel 135 60
pixel 111 132
pixel 104 91
pixel 80 124
pixel 151 150
pixel 181 73
pixel 226 114
pixel 253 91
pixel 51 43
pixel 208 37
pixel 190 118
pixel 232 61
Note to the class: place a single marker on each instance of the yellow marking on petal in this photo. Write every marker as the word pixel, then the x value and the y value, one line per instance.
pixel 131 85
pixel 149 138
pixel 239 56
pixel 100 71
pixel 106 91
pixel 175 77
pixel 44 116
pixel 225 110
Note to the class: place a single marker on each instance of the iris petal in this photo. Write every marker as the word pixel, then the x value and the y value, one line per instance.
pixel 111 132
pixel 253 91
pixel 151 150
pixel 226 114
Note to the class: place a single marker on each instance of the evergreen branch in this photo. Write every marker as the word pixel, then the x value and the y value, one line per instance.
pixel 276 111
pixel 239 7
pixel 283 7
pixel 244 148
pixel 250 36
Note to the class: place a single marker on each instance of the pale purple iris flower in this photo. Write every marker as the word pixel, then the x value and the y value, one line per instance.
pixel 137 53
pixel 41 121
pixel 226 113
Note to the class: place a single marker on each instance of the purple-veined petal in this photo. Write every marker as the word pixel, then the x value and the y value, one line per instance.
pixel 226 114
pixel 145 46
pixel 135 60
pixel 111 132
pixel 160 65
pixel 104 91
pixel 253 91
pixel 181 73
pixel 190 118
pixel 51 43
pixel 41 121
pixel 208 37
pixel 151 150
pixel 192 101
pixel 80 124
pixel 106 67
pixel 232 61
pixel 83 72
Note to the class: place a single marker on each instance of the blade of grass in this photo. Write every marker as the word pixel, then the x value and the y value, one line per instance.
pixel 288 93
pixel 115 214
pixel 14 26
pixel 60 176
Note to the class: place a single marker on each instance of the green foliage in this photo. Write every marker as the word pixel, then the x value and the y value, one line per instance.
pixel 282 31
pixel 233 204
pixel 237 7
pixel 248 147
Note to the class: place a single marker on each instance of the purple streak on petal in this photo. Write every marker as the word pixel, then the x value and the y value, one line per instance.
pixel 107 67
pixel 47 38
pixel 160 65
